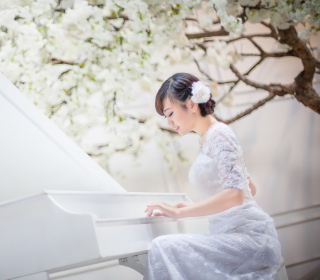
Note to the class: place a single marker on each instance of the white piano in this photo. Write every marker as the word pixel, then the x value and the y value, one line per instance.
pixel 59 210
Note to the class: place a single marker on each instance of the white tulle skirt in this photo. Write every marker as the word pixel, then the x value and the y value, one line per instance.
pixel 242 244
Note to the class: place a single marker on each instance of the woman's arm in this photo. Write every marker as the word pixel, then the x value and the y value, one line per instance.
pixel 219 202
pixel 252 186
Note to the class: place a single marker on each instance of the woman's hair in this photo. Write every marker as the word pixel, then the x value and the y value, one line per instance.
pixel 177 88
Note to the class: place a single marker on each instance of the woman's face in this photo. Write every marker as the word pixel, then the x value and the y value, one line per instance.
pixel 180 119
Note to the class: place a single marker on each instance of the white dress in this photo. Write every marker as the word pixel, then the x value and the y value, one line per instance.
pixel 243 242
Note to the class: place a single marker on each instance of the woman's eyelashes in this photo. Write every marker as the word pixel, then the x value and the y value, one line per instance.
pixel 169 115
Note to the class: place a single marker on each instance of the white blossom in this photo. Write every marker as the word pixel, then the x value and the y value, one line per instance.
pixel 214 89
pixel 256 15
pixel 205 21
pixel 145 84
pixel 175 56
pixel 250 3
pixel 82 66
pixel 228 100
pixel 200 92
pixel 215 55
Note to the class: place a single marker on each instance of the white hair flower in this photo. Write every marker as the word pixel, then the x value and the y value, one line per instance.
pixel 200 92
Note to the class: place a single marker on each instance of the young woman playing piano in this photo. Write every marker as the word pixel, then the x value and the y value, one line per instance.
pixel 243 242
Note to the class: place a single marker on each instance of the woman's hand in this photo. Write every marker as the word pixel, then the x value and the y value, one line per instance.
pixel 182 204
pixel 166 210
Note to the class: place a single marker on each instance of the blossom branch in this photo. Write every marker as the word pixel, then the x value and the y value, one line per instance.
pixel 256 45
pixel 251 109
pixel 58 61
pixel 304 90
pixel 221 32
pixel 273 30
pixel 264 35
pixel 236 82
pixel 277 89
pixel 317 63
pixel 55 108
pixel 265 55
pixel 290 37
pixel 202 71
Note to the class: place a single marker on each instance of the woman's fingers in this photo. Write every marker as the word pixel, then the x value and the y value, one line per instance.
pixel 149 213
pixel 150 209
pixel 156 204
pixel 160 214
pixel 153 206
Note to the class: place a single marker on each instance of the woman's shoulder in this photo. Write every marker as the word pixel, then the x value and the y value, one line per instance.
pixel 222 135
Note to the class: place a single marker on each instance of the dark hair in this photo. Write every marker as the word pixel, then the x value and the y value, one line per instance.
pixel 178 88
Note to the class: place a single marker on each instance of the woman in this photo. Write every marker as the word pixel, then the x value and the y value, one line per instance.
pixel 243 242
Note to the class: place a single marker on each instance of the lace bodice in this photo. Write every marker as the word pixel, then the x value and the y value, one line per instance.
pixel 220 163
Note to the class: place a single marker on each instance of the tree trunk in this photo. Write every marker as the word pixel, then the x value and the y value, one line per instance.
pixel 304 91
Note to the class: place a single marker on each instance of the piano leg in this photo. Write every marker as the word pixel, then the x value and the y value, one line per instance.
pixel 37 276
pixel 137 262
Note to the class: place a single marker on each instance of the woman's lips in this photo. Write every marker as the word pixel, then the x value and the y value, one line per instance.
pixel 176 129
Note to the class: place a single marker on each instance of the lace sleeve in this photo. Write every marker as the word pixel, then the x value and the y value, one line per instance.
pixel 224 147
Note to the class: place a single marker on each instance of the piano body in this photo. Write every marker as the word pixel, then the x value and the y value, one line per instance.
pixel 60 210
pixel 55 231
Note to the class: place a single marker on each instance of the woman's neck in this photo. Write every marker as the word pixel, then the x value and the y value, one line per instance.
pixel 203 124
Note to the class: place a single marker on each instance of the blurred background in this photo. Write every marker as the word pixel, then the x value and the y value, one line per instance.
pixel 94 69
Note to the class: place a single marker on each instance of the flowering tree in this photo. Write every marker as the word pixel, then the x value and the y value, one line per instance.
pixel 82 62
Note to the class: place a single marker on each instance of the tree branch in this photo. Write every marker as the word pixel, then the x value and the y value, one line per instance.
pixel 306 94
pixel 276 54
pixel 254 66
pixel 58 61
pixel 125 17
pixel 275 88
pixel 236 82
pixel 257 46
pixel 245 37
pixel 317 63
pixel 273 30
pixel 251 109
pixel 227 82
pixel 220 32
pixel 290 37
pixel 55 108
pixel 304 91
pixel 200 69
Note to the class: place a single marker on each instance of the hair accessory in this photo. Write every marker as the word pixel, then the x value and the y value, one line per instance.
pixel 200 92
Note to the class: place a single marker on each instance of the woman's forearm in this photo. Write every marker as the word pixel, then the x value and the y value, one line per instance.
pixel 219 202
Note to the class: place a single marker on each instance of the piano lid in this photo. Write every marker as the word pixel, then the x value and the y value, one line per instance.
pixel 36 155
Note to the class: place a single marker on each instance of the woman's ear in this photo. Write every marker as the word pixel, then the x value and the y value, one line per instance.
pixel 192 106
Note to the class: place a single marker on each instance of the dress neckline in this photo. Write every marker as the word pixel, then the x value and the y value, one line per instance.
pixel 202 138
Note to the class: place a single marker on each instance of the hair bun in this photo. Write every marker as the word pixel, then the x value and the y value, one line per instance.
pixel 208 107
